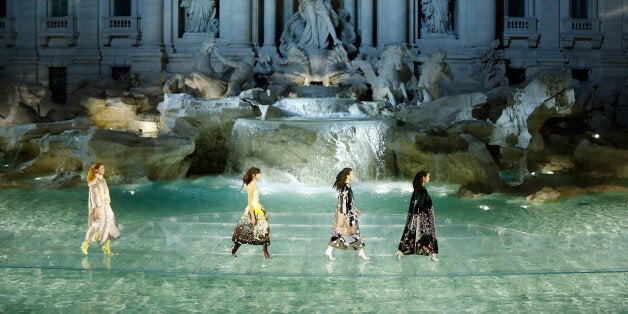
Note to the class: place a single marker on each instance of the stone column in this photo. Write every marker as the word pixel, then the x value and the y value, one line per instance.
pixel 392 22
pixel 288 9
pixel 365 24
pixel 349 5
pixel 151 24
pixel 169 30
pixel 270 25
pixel 235 23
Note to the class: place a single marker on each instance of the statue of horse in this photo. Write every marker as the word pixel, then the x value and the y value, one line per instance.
pixel 384 78
pixel 203 82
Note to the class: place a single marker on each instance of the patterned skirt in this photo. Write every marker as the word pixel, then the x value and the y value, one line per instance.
pixel 246 233
pixel 419 235
pixel 345 237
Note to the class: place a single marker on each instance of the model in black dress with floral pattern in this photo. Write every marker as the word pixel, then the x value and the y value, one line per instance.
pixel 419 234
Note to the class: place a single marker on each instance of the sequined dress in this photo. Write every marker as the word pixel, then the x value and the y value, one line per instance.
pixel 101 220
pixel 345 234
pixel 419 235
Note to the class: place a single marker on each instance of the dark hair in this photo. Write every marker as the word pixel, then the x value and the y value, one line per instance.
pixel 417 183
pixel 248 176
pixel 341 178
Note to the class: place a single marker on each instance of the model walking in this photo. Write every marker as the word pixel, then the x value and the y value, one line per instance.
pixel 101 220
pixel 252 228
pixel 345 234
pixel 419 235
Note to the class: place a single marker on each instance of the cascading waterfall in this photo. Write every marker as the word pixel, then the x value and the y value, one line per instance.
pixel 311 150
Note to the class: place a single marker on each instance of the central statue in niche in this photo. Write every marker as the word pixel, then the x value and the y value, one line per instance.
pixel 315 45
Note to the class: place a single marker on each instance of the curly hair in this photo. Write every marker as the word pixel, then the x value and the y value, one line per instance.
pixel 341 179
pixel 91 173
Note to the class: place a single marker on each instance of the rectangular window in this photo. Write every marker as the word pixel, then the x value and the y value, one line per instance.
pixel 118 72
pixel 578 9
pixel 516 8
pixel 3 9
pixel 59 8
pixel 121 7
pixel 581 75
pixel 515 75
pixel 57 78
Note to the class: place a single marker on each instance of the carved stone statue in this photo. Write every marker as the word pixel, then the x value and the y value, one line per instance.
pixel 385 77
pixel 200 16
pixel 321 39
pixel 320 24
pixel 432 70
pixel 316 26
pixel 203 82
pixel 242 73
pixel 436 16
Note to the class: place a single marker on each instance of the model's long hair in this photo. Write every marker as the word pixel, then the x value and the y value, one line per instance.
pixel 249 175
pixel 91 173
pixel 417 183
pixel 341 179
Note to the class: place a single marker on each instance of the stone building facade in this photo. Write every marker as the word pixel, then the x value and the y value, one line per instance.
pixel 62 43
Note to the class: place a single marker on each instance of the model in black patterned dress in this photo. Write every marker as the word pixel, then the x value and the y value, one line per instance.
pixel 345 234
pixel 419 235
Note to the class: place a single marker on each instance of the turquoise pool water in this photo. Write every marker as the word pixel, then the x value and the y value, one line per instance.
pixel 498 253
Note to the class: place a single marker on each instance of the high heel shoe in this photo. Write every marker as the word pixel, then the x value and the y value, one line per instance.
pixel 363 256
pixel 399 255
pixel 85 247
pixel 107 249
pixel 329 256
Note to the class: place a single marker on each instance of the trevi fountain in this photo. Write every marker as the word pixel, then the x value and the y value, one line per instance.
pixel 528 179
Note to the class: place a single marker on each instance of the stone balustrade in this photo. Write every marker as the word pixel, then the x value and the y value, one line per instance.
pixel 524 28
pixel 54 27
pixel 121 27
pixel 519 24
pixel 573 30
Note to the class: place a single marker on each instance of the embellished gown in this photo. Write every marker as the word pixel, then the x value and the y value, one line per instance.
pixel 419 235
pixel 246 233
pixel 105 227
pixel 345 233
